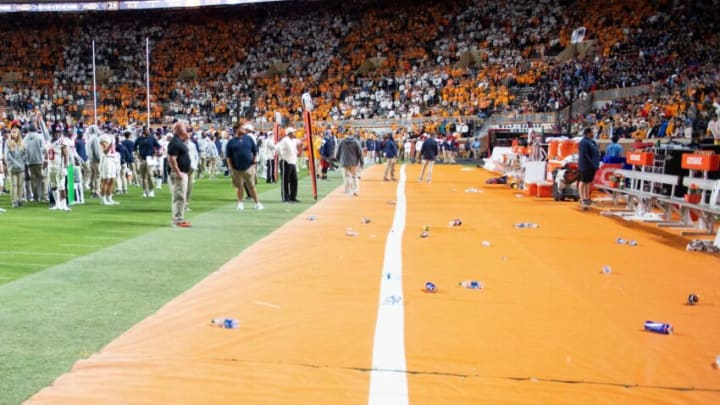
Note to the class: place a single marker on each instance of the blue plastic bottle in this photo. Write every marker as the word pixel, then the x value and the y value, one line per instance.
pixel 226 323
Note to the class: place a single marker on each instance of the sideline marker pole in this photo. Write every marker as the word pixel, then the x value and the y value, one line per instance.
pixel 307 120
pixel 94 84
pixel 147 75
pixel 276 137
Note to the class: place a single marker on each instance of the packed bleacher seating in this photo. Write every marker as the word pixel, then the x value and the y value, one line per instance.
pixel 396 59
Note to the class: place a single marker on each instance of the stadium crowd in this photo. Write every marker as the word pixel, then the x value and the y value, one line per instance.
pixel 366 60
pixel 399 59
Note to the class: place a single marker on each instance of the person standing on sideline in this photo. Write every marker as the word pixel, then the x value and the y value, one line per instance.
pixel 407 149
pixel 428 153
pixel 327 153
pixel 58 160
pixel 146 145
pixel 350 156
pixel 266 151
pixel 130 157
pixel 287 150
pixel 588 163
pixel 241 156
pixel 418 148
pixel 390 150
pixel 713 129
pixel 36 158
pixel 109 167
pixel 95 154
pixel 16 166
pixel 179 164
pixel 194 164
pixel 121 178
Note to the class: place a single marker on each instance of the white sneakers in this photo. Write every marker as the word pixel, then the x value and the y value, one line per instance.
pixel 61 207
pixel 241 206
pixel 107 200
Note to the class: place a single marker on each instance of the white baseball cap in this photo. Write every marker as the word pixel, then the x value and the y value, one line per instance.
pixel 290 130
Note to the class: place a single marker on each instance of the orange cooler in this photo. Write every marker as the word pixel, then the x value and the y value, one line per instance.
pixel 640 158
pixel 707 163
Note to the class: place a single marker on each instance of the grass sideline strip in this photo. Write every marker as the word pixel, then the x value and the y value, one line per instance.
pixel 35 233
pixel 58 315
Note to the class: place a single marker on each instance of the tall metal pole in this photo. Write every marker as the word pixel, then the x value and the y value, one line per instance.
pixel 147 75
pixel 94 85
pixel 572 91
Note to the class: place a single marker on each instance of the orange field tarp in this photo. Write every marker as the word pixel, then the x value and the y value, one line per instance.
pixel 549 326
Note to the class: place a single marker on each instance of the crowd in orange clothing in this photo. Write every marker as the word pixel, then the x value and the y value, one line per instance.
pixel 399 59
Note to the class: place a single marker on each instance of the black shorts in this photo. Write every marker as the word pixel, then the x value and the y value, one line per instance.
pixel 586 176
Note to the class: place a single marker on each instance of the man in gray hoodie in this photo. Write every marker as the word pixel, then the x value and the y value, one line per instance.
pixel 349 154
pixel 36 157
pixel 94 154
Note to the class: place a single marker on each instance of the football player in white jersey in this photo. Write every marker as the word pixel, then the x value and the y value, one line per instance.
pixel 108 169
pixel 58 159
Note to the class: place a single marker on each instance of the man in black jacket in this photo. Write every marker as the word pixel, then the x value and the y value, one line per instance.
pixel 428 153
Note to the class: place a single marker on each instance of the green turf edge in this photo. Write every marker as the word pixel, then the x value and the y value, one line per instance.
pixel 51 319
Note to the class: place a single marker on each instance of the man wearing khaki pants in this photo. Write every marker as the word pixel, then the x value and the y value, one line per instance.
pixel 390 150
pixel 179 162
pixel 146 145
pixel 241 154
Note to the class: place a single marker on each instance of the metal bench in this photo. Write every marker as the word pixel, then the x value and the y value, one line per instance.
pixel 706 211
pixel 645 192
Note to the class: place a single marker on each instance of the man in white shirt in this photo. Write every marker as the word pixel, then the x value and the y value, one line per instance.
pixel 108 169
pixel 287 150
pixel 713 129
pixel 194 165
pixel 418 147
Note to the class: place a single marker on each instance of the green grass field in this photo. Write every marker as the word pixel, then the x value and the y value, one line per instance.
pixel 72 282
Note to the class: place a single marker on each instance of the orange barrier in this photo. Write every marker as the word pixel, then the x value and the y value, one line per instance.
pixel 695 161
pixel 553 149
pixel 567 148
pixel 544 190
pixel 549 326
pixel 640 158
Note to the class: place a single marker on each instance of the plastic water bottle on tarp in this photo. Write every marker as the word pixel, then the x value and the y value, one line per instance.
pixel 225 323
pixel 526 225
pixel 486 243
pixel 365 220
pixel 351 232
pixel 455 222
pixel 311 218
pixel 471 284
pixel 430 287
pixel 659 327
pixel 632 243
pixel 620 241
pixel 607 270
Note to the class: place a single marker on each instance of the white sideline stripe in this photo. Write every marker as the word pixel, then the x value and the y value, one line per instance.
pixel 388 380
